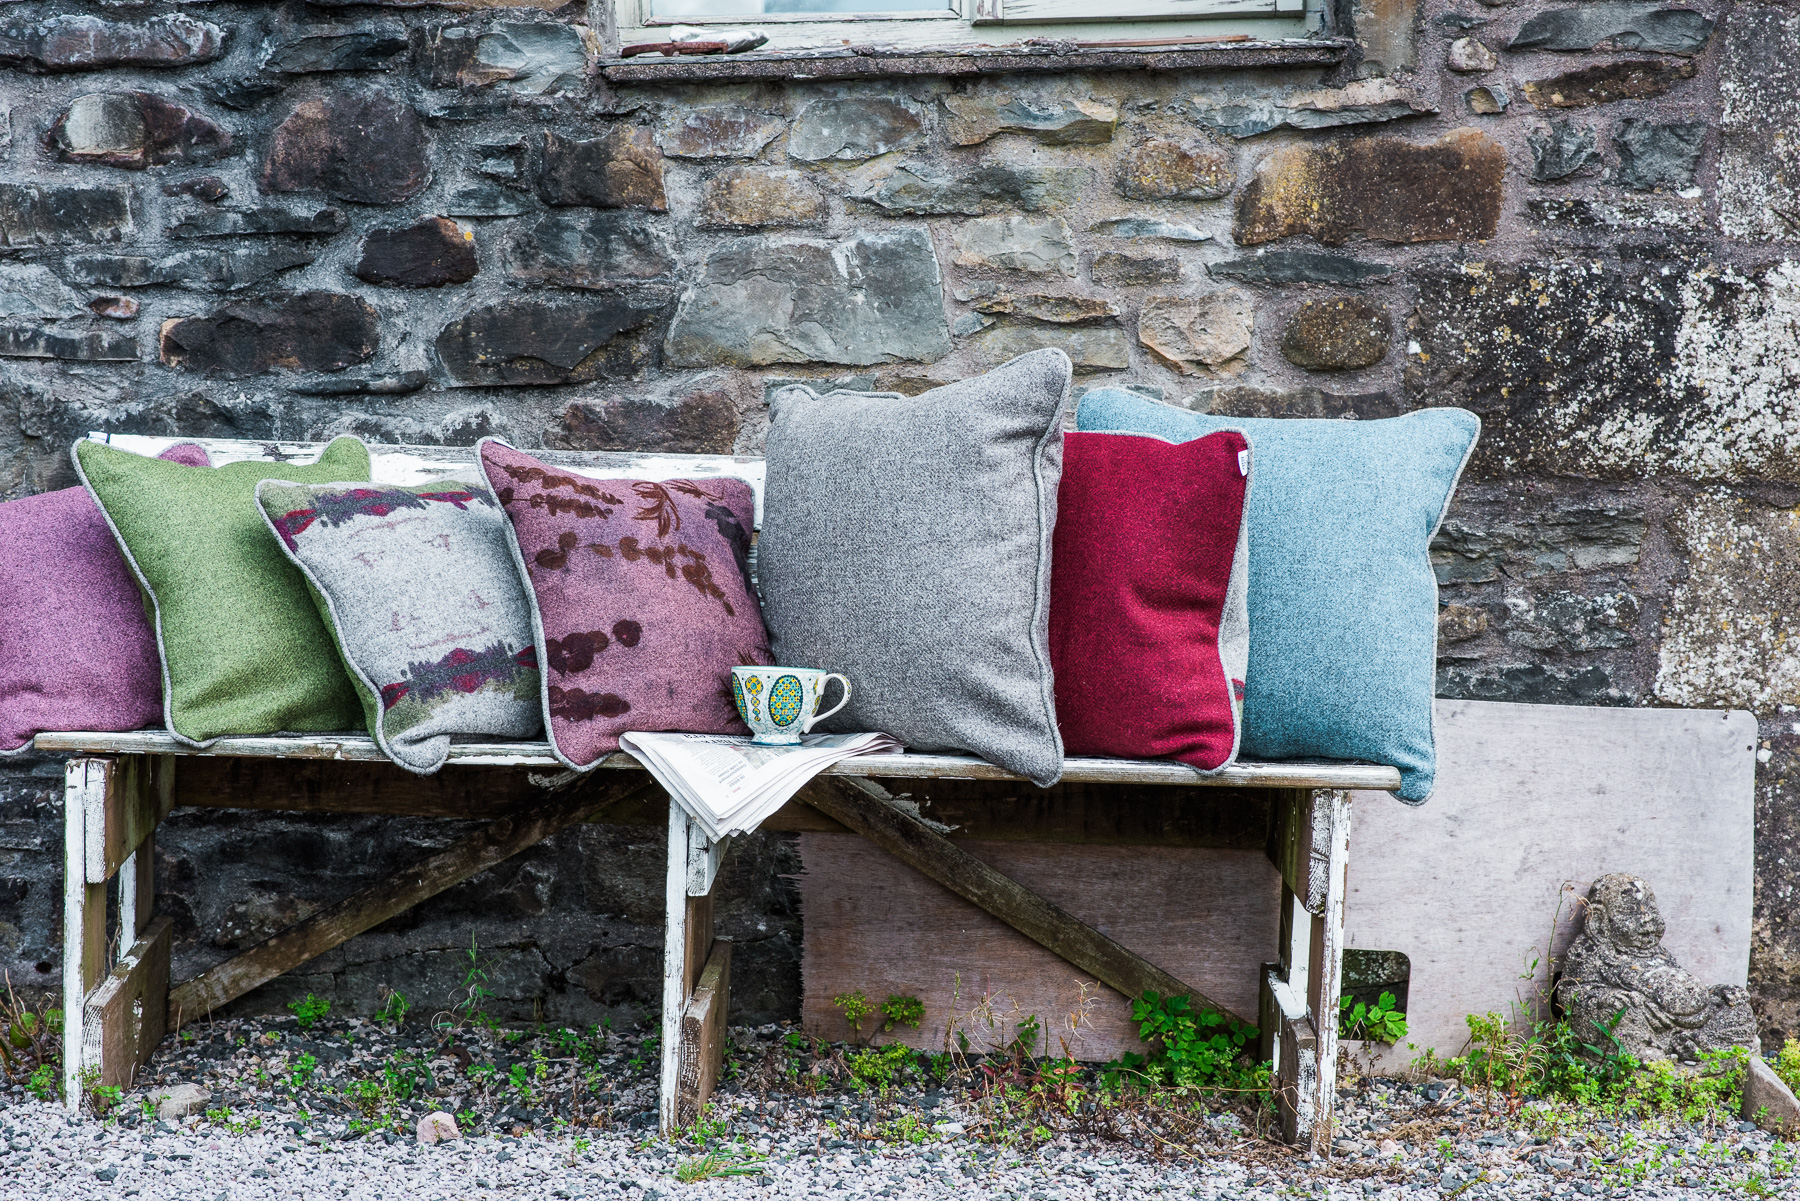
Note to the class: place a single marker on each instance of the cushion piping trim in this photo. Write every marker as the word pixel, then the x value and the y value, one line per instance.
pixel 1046 522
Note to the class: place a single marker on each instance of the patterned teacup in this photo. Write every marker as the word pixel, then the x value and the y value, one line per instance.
pixel 779 704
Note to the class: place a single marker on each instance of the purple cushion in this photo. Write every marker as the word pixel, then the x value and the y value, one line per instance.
pixel 76 651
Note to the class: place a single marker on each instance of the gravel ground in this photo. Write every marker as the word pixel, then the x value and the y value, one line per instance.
pixel 791 1126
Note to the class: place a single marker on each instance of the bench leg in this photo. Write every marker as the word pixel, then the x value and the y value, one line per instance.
pixel 696 975
pixel 84 920
pixel 1300 992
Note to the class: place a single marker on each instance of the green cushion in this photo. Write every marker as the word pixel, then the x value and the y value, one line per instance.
pixel 243 649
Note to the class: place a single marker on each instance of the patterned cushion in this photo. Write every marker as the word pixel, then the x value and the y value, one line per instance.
pixel 1149 625
pixel 243 649
pixel 1343 601
pixel 906 544
pixel 76 651
pixel 640 597
pixel 418 587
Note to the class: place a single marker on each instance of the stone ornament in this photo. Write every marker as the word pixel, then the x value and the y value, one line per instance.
pixel 1617 975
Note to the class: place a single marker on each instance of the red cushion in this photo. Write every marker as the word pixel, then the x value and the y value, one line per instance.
pixel 1148 534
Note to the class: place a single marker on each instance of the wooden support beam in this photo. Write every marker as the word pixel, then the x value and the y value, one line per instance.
pixel 1301 844
pixel 376 904
pixel 84 915
pixel 127 1015
pixel 865 807
pixel 121 807
pixel 703 1034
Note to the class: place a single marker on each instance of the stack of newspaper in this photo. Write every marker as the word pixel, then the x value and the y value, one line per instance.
pixel 729 784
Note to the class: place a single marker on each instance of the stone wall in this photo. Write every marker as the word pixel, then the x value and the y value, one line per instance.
pixel 420 224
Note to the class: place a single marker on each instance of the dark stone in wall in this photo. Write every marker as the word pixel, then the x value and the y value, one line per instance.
pixel 1561 149
pixel 1384 188
pixel 1532 684
pixel 1616 25
pixel 311 331
pixel 989 188
pixel 534 60
pixel 1060 122
pixel 1774 936
pixel 241 95
pixel 1340 334
pixel 624 169
pixel 1282 267
pixel 134 130
pixel 78 42
pixel 209 188
pixel 1160 169
pixel 604 251
pixel 719 131
pixel 1539 540
pixel 435 252
pixel 852 129
pixel 75 346
pixel 704 422
pixel 368 148
pixel 34 215
pixel 354 50
pixel 227 269
pixel 745 197
pixel 1652 155
pixel 1626 79
pixel 533 341
pixel 1113 269
pixel 231 223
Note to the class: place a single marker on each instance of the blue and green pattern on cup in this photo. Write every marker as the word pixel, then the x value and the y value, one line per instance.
pixel 792 707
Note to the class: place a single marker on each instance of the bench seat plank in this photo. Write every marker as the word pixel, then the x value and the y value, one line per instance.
pixel 915 766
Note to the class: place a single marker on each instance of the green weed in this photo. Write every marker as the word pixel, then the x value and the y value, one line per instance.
pixel 394 1009
pixel 300 1074
pixel 1192 1049
pixel 1380 1022
pixel 310 1010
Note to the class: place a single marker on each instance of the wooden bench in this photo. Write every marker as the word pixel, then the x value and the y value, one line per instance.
pixel 118 787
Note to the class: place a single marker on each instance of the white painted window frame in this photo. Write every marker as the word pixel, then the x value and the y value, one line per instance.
pixel 996 22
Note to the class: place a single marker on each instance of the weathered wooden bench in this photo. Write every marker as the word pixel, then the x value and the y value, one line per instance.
pixel 118 787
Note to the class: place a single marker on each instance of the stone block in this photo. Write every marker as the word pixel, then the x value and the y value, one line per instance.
pixel 1759 123
pixel 226 269
pixel 1461 623
pixel 30 290
pixel 1363 102
pixel 178 1101
pixel 116 308
pixel 209 188
pixel 371 49
pixel 1654 156
pixel 1562 149
pixel 1768 1101
pixel 430 254
pixel 540 341
pixel 976 191
pixel 1604 83
pixel 1547 537
pixel 1043 306
pixel 403 384
pixel 1160 169
pixel 484 200
pixel 39 215
pixel 866 299
pixel 1471 55
pixel 1101 348
pixel 1113 269
pixel 1054 121
pixel 538 59
pixel 604 251
pixel 622 169
pixel 1195 334
pixel 1150 228
pixel 267 219
pixel 702 422
pixel 1249 400
pixel 1731 632
pixel 1571 622
pixel 750 197
pixel 310 331
pixel 1383 188
pixel 1616 25
pixel 436 1128
pixel 719 131
pixel 1692 373
pixel 1488 99
pixel 1280 268
pixel 71 345
pixel 852 128
pixel 1531 684
pixel 1344 333
pixel 242 94
pixel 1016 244
pixel 78 42
pixel 365 147
pixel 134 130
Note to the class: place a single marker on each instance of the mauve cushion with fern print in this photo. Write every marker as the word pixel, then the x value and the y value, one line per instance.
pixel 76 651
pixel 640 596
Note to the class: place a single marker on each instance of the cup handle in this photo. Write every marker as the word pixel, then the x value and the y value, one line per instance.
pixel 816 718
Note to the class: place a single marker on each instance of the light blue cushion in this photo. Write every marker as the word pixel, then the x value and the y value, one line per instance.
pixel 1343 602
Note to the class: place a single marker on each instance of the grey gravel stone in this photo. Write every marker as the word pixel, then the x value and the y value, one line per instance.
pixel 1487 99
pixel 1364 102
pixel 268 219
pixel 75 346
pixel 227 269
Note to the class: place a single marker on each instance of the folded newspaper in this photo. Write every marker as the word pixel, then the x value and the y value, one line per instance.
pixel 730 784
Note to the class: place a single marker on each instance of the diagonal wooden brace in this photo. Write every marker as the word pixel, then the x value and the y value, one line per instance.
pixel 362 911
pixel 864 806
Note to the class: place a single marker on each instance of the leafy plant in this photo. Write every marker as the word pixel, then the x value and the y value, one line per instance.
pixel 310 1010
pixel 394 1009
pixel 857 1009
pixel 1380 1022
pixel 880 1067
pixel 902 1011
pixel 471 1007
pixel 300 1074
pixel 45 1082
pixel 30 1039
pixel 1787 1063
pixel 1198 1049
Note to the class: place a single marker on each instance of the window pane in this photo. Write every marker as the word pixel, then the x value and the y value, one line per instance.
pixel 700 10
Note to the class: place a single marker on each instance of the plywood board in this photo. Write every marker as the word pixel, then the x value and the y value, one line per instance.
pixel 1479 886
pixel 1208 915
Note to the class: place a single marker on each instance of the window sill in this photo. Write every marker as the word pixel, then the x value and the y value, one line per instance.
pixel 886 62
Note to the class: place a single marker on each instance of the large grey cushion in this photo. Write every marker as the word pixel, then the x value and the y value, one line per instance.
pixel 906 543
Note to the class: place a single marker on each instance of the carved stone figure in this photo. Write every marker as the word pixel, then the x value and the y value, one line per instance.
pixel 1617 975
